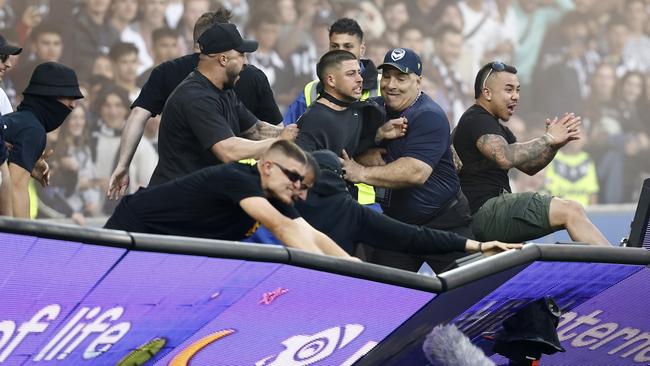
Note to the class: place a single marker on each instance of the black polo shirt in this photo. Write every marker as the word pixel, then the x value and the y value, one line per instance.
pixel 203 204
pixel 196 116
pixel 253 88
pixel 27 135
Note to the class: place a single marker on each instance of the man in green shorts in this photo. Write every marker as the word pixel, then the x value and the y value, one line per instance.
pixel 488 150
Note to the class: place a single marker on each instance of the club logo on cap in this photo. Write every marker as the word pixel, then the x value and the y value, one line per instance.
pixel 397 54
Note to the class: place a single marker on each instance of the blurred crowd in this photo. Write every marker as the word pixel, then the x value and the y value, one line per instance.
pixel 584 56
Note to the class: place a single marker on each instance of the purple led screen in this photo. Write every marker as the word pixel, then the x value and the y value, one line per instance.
pixel 65 303
pixel 570 284
pixel 316 317
pixel 611 329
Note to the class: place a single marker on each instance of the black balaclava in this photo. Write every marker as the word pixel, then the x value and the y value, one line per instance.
pixel 50 112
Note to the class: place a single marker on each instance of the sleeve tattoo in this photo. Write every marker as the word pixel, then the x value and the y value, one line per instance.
pixel 530 157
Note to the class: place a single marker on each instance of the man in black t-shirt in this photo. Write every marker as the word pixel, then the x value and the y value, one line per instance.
pixel 229 202
pixel 252 89
pixel 335 122
pixel 489 149
pixel 203 122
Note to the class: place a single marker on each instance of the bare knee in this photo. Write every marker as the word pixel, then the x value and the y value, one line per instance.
pixel 563 211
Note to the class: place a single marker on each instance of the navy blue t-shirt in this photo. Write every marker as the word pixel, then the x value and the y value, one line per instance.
pixel 428 140
pixel 27 136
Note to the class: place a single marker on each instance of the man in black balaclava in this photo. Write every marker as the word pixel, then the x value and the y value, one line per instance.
pixel 48 99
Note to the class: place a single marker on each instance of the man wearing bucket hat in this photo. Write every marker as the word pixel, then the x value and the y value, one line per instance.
pixel 6 50
pixel 418 172
pixel 48 99
pixel 203 122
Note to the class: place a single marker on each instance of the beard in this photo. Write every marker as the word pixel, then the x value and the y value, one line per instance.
pixel 231 79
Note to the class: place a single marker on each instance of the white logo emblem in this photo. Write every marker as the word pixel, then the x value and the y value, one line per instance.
pixel 397 54
pixel 302 350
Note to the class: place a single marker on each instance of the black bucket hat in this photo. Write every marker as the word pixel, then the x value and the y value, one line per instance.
pixel 51 79
pixel 7 49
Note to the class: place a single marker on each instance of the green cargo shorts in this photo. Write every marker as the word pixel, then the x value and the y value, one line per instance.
pixel 513 218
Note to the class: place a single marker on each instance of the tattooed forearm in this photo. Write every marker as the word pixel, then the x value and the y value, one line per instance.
pixel 529 157
pixel 262 130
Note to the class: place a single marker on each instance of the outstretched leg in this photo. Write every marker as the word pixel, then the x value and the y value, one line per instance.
pixel 571 216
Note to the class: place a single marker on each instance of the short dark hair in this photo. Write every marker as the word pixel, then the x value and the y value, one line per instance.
pixel 163 32
pixel 44 28
pixel 107 89
pixel 207 20
pixel 483 73
pixel 263 16
pixel 334 57
pixel 289 149
pixel 347 26
pixel 120 49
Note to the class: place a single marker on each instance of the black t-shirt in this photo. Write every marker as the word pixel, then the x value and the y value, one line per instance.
pixel 253 88
pixel 480 178
pixel 3 148
pixel 27 135
pixel 197 116
pixel 203 204
pixel 323 128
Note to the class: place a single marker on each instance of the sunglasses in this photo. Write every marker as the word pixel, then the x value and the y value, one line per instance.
pixel 494 66
pixel 293 176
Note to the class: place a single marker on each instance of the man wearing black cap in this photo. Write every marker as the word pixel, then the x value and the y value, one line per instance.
pixel 203 120
pixel 252 89
pixel 418 172
pixel 48 99
pixel 6 50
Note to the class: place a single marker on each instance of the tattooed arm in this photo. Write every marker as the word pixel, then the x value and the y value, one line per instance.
pixel 262 130
pixel 530 157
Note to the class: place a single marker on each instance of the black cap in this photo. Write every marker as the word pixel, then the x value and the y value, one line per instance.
pixel 222 37
pixel 403 59
pixel 7 49
pixel 52 79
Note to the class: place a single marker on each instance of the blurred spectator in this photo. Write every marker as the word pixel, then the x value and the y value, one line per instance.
pixel 265 29
pixel 637 47
pixel 46 44
pixel 423 13
pixel 6 51
pixel 165 48
pixel 125 65
pixel 480 32
pixel 567 68
pixel 572 174
pixel 452 94
pixel 411 36
pixel 508 28
pixel 112 107
pixel 607 138
pixel 88 36
pixel 103 66
pixel 7 16
pixel 630 93
pixel 73 191
pixel 140 32
pixel 617 35
pixel 192 10
pixel 396 14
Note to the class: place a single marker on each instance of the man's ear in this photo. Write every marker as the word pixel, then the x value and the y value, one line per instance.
pixel 223 59
pixel 330 80
pixel 487 94
pixel 362 50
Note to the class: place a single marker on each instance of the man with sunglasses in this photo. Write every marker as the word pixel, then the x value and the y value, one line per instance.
pixel 488 150
pixel 229 202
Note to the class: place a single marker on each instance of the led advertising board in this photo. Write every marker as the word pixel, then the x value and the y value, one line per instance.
pixel 67 303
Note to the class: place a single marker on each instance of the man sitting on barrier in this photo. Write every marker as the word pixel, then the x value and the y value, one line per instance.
pixel 229 201
pixel 488 150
